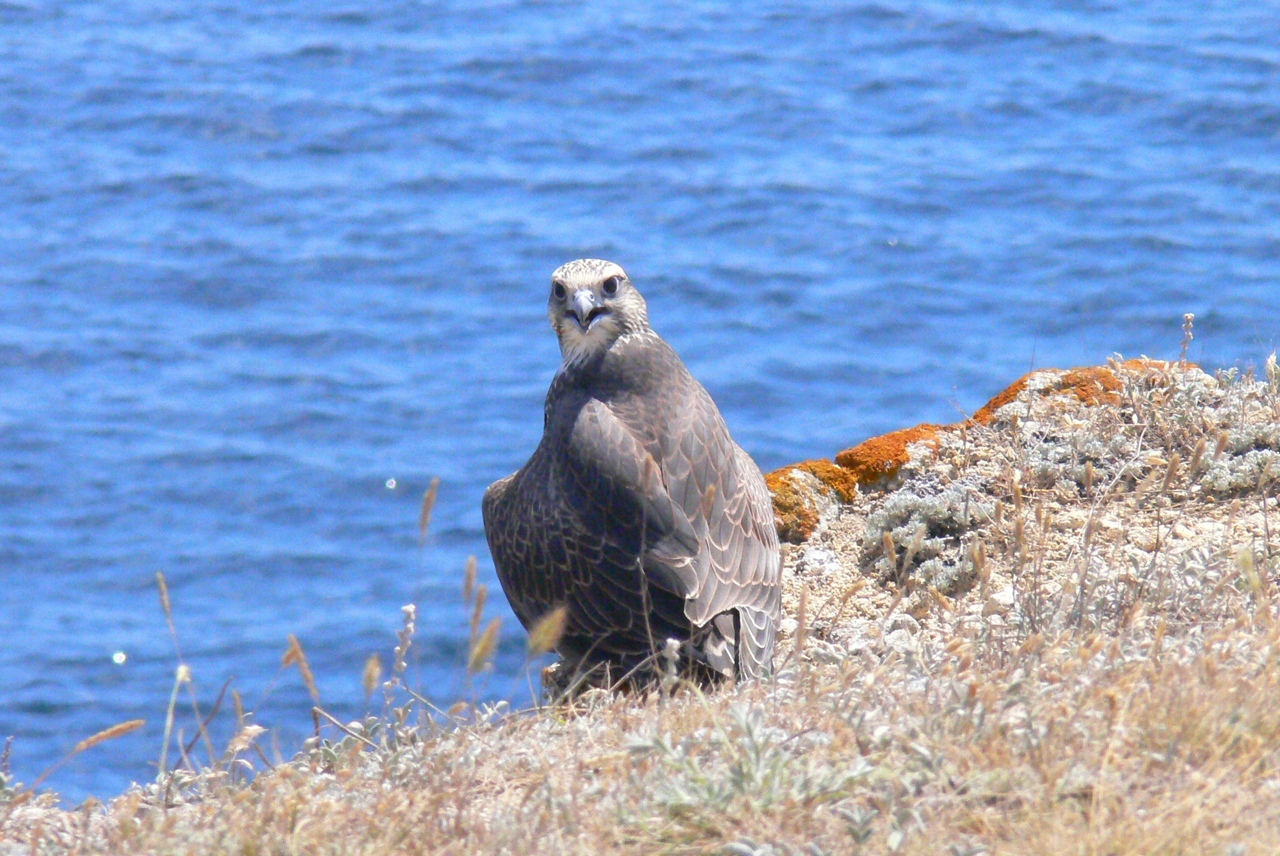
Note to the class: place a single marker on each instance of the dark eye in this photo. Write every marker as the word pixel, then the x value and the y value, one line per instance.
pixel 558 291
pixel 611 286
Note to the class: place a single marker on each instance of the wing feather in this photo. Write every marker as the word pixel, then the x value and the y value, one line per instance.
pixel 609 455
pixel 743 565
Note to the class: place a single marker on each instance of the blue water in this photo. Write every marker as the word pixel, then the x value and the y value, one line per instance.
pixel 257 262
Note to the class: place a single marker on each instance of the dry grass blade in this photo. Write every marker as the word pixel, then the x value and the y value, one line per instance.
pixel 244 739
pixel 203 730
pixel 117 730
pixel 917 541
pixel 941 600
pixel 1196 455
pixel 469 574
pixel 477 610
pixel 291 653
pixel 843 600
pixel 1086 674
pixel 546 632
pixel 295 655
pixel 802 622
pixel 371 676
pixel 1257 583
pixel 167 606
pixel 482 650
pixel 1171 473
pixel 181 676
pixel 980 570
pixel 428 504
pixel 323 714
pixel 890 552
pixel 164 596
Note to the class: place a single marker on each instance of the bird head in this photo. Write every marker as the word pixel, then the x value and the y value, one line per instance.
pixel 592 305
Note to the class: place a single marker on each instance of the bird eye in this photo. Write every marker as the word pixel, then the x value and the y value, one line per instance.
pixel 558 291
pixel 611 286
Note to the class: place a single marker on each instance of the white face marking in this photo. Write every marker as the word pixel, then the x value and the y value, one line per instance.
pixel 578 291
pixel 577 344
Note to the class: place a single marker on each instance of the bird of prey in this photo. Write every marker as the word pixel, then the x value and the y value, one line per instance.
pixel 638 512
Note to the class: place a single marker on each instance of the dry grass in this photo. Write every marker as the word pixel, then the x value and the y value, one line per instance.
pixel 1057 633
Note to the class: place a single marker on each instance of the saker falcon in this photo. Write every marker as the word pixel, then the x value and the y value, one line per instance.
pixel 638 511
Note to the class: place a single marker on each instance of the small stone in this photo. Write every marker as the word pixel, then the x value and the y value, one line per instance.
pixel 1073 519
pixel 1108 526
pixel 900 641
pixel 817 561
pixel 1143 539
pixel 858 645
pixel 999 603
pixel 902 621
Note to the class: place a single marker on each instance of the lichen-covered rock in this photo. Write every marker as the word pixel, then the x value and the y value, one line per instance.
pixel 1077 492
pixel 799 500
pixel 876 462
pixel 803 493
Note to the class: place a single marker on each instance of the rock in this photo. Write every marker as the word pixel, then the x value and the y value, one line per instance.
pixel 902 621
pixel 912 531
pixel 805 494
pixel 999 603
pixel 1144 539
pixel 815 561
pixel 901 642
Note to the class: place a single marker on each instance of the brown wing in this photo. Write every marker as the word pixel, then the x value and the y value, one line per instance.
pixel 569 528
pixel 716 487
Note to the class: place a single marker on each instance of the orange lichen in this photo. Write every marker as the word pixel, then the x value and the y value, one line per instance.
pixel 839 479
pixel 793 508
pixel 791 512
pixel 881 457
pixel 988 411
pixel 1093 385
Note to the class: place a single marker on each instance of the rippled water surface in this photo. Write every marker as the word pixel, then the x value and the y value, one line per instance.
pixel 267 270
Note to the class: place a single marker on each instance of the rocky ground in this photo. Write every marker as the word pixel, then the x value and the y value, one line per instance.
pixel 1085 496
pixel 1051 628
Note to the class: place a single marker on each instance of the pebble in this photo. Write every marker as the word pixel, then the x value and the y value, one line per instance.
pixel 901 641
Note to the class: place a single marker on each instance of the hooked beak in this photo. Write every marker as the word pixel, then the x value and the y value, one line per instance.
pixel 585 308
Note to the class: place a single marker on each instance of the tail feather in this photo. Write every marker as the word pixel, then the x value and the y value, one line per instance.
pixel 756 635
pixel 737 642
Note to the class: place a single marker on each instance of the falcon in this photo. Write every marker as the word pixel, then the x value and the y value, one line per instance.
pixel 637 512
